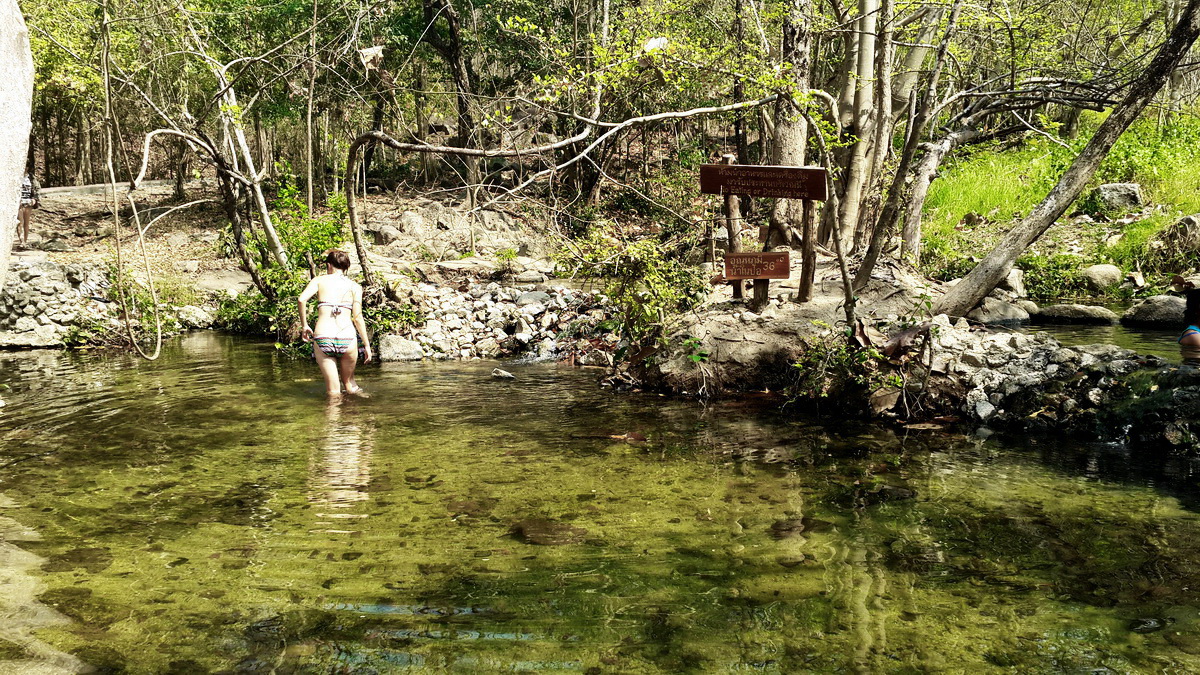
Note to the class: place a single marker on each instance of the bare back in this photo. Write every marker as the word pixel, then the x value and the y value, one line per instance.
pixel 337 301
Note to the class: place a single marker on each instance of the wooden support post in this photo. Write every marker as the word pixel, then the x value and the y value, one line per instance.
pixel 808 257
pixel 733 227
pixel 762 290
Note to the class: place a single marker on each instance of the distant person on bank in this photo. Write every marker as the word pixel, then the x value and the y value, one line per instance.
pixel 340 327
pixel 29 201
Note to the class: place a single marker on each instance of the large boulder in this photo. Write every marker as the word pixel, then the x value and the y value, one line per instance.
pixel 224 282
pixel 998 312
pixel 16 97
pixel 1159 311
pixel 1117 197
pixel 1102 277
pixel 1015 283
pixel 397 348
pixel 1088 314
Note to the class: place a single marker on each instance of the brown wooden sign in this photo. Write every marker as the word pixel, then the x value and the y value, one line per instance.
pixel 757 266
pixel 784 182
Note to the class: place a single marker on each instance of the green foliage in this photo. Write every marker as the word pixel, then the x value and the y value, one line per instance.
pixel 171 292
pixel 385 317
pixel 695 353
pixel 999 184
pixel 646 278
pixel 1050 277
pixel 830 366
pixel 304 236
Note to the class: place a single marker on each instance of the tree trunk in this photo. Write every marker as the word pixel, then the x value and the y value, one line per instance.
pixel 910 68
pixel 451 50
pixel 863 83
pixel 923 174
pixel 791 129
pixel 891 209
pixel 309 174
pixel 993 268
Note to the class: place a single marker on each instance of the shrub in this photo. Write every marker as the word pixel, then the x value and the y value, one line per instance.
pixel 646 278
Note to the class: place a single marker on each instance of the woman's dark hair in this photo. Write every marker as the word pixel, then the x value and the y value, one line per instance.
pixel 338 259
pixel 1191 314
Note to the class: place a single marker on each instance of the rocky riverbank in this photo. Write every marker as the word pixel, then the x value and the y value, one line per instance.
pixel 482 319
pixel 947 371
pixel 42 303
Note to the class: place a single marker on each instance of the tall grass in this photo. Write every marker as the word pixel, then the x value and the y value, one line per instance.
pixel 997 185
pixel 1004 184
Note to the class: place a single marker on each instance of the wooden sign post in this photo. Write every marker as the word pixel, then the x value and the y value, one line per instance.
pixel 807 183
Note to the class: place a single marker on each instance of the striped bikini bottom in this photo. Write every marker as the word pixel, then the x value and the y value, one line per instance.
pixel 334 346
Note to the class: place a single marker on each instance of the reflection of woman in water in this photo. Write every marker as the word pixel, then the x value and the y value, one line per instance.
pixel 341 469
pixel 339 325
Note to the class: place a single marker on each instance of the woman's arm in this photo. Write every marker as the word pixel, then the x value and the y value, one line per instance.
pixel 360 325
pixel 309 291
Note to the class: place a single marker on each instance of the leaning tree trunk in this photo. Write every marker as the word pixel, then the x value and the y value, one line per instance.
pixel 993 268
pixel 16 101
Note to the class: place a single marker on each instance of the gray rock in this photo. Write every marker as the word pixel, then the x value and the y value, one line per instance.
pixel 1029 306
pixel 533 298
pixel 993 311
pixel 530 277
pixel 397 348
pixel 43 336
pixel 984 410
pixel 1015 283
pixel 191 316
pixel 1159 311
pixel 386 235
pixel 15 95
pixel 232 282
pixel 1118 197
pixel 1088 314
pixel 56 246
pixel 1102 277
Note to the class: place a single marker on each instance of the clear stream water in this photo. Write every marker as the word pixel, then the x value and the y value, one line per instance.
pixel 210 513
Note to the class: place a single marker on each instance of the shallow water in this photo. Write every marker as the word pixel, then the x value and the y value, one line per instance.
pixel 1149 341
pixel 210 513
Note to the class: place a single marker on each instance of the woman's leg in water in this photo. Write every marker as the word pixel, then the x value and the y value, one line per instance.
pixel 346 364
pixel 329 368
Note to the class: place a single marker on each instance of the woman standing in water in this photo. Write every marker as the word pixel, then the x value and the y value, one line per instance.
pixel 339 325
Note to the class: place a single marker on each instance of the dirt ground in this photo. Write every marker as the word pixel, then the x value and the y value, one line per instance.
pixel 74 225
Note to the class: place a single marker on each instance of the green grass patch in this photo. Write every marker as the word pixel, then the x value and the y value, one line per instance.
pixel 1001 185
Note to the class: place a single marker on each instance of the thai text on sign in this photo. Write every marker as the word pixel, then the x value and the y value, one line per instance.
pixel 782 182
pixel 757 266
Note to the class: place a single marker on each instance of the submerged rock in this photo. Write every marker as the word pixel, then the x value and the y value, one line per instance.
pixel 543 532
pixel 1086 314
pixel 1149 624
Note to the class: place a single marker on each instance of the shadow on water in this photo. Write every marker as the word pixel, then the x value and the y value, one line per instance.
pixel 214 505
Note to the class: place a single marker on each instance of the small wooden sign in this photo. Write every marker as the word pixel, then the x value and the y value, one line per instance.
pixel 757 266
pixel 784 182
